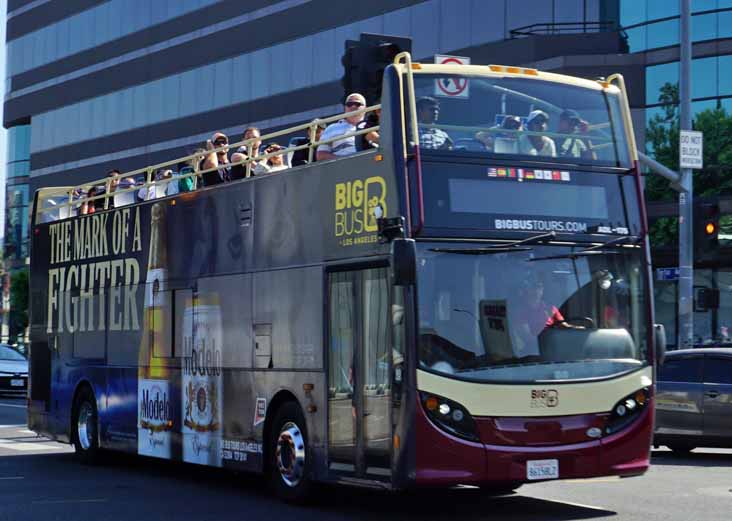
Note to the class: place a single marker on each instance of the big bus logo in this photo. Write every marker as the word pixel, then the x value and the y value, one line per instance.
pixel 541 398
pixel 357 206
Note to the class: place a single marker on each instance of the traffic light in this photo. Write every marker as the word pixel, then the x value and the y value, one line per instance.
pixel 706 229
pixel 364 62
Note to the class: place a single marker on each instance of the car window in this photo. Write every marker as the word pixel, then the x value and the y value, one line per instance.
pixel 681 370
pixel 7 353
pixel 718 370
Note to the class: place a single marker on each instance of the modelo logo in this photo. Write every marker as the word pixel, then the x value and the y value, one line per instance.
pixel 542 398
pixel 204 361
pixel 155 406
pixel 357 206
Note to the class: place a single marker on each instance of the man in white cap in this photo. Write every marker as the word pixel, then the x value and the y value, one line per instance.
pixel 345 146
pixel 535 144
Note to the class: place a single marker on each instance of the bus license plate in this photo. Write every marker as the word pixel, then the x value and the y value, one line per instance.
pixel 542 469
pixel 17 383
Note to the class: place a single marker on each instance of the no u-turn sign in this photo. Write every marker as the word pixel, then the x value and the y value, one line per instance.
pixel 452 86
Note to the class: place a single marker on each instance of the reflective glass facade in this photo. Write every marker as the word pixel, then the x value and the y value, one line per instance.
pixel 16 196
pixel 652 24
pixel 126 83
pixel 110 20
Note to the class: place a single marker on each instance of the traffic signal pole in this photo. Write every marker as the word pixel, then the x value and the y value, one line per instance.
pixel 686 194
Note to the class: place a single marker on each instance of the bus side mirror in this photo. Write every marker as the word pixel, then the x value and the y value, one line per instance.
pixel 404 262
pixel 659 340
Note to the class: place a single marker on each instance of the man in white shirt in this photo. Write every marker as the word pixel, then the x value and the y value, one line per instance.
pixel 535 144
pixel 345 146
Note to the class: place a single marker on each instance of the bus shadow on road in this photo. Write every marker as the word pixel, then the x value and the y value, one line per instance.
pixel 452 504
pixel 692 459
pixel 129 480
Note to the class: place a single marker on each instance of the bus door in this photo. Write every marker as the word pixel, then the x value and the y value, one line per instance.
pixel 359 375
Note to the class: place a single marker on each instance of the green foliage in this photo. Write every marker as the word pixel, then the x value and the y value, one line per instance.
pixel 18 319
pixel 662 141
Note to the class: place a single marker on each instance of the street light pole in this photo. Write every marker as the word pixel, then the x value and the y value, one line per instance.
pixel 686 195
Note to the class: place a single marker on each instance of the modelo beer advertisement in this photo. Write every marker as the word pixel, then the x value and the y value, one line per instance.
pixel 109 275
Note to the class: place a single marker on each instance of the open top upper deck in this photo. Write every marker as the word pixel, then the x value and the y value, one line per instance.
pixel 442 165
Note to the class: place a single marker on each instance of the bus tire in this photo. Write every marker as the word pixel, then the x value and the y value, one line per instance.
pixel 84 427
pixel 289 462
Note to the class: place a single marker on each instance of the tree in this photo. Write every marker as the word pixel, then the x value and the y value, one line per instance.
pixel 18 319
pixel 662 141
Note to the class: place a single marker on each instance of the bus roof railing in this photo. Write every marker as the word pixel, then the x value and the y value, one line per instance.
pixel 76 196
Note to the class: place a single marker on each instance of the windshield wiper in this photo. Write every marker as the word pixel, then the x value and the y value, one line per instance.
pixel 502 248
pixel 599 249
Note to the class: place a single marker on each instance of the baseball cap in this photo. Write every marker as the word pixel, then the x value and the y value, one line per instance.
pixel 537 114
pixel 570 115
pixel 355 96
pixel 426 101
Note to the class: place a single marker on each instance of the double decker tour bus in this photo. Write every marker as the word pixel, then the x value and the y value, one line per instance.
pixel 470 303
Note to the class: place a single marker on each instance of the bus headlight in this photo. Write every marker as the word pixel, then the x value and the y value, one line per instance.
pixel 450 416
pixel 627 410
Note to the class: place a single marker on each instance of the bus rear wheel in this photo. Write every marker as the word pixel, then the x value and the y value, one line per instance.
pixel 288 455
pixel 84 427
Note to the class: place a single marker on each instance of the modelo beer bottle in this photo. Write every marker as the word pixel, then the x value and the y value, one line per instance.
pixel 155 407
pixel 201 383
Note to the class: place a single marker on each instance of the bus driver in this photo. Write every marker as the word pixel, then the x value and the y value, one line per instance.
pixel 532 318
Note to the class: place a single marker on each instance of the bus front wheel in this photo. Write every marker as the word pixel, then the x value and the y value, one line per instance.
pixel 84 427
pixel 288 455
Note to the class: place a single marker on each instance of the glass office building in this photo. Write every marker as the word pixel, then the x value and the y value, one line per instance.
pixel 98 84
pixel 652 27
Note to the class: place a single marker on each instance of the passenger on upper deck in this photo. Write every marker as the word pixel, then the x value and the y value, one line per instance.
pixel 164 186
pixel 300 157
pixel 218 160
pixel 533 144
pixel 369 140
pixel 242 153
pixel 570 122
pixel 502 142
pixel 119 183
pixel 431 137
pixel 271 164
pixel 346 146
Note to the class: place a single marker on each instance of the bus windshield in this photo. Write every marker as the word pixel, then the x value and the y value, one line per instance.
pixel 520 117
pixel 527 314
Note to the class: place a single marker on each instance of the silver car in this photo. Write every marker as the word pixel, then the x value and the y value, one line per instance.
pixel 13 371
pixel 694 399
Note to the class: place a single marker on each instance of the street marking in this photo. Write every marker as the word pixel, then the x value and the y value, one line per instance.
pixel 580 505
pixel 13 426
pixel 12 477
pixel 610 479
pixel 58 501
pixel 15 406
pixel 22 446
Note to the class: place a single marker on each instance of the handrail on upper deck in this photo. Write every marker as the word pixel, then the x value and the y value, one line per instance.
pixel 196 158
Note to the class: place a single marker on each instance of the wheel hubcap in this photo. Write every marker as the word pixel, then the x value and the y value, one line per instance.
pixel 85 427
pixel 290 454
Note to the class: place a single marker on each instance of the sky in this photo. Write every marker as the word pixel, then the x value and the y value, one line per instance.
pixel 3 138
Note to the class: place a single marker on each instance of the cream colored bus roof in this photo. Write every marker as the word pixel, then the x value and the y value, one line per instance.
pixel 485 71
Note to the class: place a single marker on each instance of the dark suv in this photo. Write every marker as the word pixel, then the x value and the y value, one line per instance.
pixel 694 399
